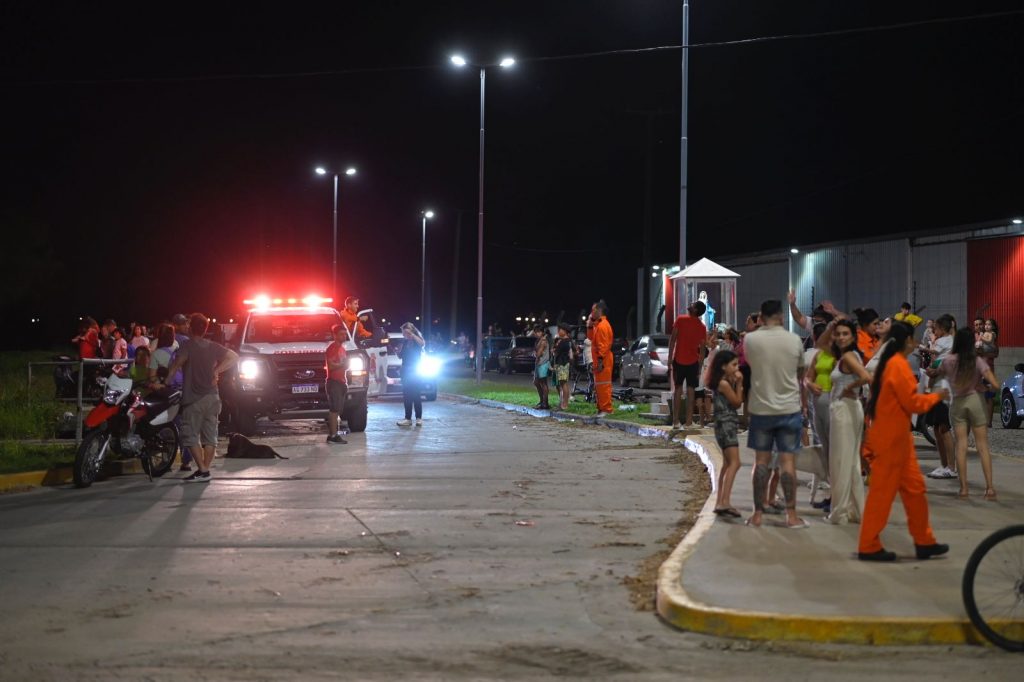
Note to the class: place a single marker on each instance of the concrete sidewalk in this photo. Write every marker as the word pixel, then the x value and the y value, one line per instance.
pixel 775 583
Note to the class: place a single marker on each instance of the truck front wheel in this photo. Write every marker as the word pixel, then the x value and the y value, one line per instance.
pixel 356 415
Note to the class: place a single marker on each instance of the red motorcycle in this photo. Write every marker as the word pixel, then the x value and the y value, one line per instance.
pixel 129 425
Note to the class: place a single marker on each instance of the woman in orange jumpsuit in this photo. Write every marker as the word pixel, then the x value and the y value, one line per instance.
pixel 894 466
pixel 599 331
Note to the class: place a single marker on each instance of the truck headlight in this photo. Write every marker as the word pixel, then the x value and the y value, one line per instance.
pixel 248 370
pixel 429 367
pixel 356 364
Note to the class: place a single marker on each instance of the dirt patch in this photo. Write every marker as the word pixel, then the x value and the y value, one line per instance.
pixel 564 661
pixel 643 586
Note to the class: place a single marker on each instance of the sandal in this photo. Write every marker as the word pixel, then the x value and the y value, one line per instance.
pixel 963 495
pixel 728 511
pixel 990 494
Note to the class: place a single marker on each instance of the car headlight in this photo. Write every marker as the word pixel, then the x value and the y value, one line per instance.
pixel 429 367
pixel 248 370
pixel 356 364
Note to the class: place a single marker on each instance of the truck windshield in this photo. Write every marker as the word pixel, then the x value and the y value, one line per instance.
pixel 290 328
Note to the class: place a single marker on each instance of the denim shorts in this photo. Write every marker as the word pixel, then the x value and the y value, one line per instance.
pixel 780 432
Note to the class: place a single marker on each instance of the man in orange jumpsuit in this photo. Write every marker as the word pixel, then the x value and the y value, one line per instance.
pixel 599 331
pixel 894 466
pixel 352 321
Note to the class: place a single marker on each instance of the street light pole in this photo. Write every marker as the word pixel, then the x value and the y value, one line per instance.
pixel 423 276
pixel 480 242
pixel 683 137
pixel 505 63
pixel 334 251
pixel 320 170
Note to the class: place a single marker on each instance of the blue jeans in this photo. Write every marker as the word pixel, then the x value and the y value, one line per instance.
pixel 780 432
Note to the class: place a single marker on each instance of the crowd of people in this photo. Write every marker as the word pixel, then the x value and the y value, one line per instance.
pixel 851 387
pixel 178 356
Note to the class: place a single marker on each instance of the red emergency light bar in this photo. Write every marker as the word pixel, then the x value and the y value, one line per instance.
pixel 263 301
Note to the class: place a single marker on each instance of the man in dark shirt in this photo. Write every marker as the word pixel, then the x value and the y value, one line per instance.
pixel 203 362
pixel 336 385
pixel 181 328
pixel 107 339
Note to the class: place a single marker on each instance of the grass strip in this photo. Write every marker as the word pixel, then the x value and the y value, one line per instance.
pixel 527 395
pixel 28 412
pixel 17 457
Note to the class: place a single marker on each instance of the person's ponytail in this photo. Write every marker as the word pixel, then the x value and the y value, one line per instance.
pixel 898 335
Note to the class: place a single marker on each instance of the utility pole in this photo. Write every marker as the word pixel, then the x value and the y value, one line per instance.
pixel 683 136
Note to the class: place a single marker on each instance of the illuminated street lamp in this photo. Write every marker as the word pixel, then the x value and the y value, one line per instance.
pixel 426 215
pixel 506 62
pixel 320 170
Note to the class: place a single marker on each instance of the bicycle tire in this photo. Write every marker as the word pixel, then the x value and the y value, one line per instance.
pixel 1015 642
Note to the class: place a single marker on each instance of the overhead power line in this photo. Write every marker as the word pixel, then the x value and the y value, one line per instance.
pixel 552 58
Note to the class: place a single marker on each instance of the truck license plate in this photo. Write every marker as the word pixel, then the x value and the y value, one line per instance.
pixel 306 388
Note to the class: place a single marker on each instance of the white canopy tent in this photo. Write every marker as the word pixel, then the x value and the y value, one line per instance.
pixel 706 281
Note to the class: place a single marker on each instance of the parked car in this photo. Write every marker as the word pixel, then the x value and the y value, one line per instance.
pixel 645 361
pixel 519 357
pixel 429 369
pixel 1011 399
pixel 492 347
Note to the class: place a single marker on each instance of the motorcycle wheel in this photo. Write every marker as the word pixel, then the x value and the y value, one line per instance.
pixel 160 451
pixel 89 457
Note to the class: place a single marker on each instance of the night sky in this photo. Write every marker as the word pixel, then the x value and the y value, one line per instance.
pixel 139 182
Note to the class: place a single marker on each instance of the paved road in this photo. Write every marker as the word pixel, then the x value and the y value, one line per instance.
pixel 395 557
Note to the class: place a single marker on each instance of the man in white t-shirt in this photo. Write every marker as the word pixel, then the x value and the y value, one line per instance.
pixel 776 360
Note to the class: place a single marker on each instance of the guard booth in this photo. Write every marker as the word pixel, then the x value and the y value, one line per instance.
pixel 711 283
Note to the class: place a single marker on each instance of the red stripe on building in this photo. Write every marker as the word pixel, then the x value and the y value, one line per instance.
pixel 995 277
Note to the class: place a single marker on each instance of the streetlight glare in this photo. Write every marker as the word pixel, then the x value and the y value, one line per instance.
pixel 350 171
pixel 507 62
pixel 320 170
pixel 1017 221
pixel 458 60
pixel 428 214
pixel 794 250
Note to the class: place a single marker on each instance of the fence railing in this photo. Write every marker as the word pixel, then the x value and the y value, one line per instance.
pixel 79 398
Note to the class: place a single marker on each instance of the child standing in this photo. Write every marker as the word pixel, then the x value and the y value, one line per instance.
pixel 727 381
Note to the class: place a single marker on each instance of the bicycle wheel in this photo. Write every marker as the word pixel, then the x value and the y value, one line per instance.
pixel 993 588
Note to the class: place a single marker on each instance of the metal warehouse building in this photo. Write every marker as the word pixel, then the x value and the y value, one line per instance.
pixel 965 271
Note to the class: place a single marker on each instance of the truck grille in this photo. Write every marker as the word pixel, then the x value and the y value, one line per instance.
pixel 299 368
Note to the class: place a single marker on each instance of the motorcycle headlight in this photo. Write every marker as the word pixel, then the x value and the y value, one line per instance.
pixel 356 364
pixel 248 370
pixel 429 367
pixel 111 395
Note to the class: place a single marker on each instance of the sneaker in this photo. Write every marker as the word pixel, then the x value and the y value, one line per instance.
pixel 949 473
pixel 880 555
pixel 198 477
pixel 404 422
pixel 928 551
pixel 337 439
pixel 937 472
pixel 419 422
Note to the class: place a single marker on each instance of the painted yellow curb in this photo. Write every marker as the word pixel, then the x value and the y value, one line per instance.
pixel 679 609
pixel 57 476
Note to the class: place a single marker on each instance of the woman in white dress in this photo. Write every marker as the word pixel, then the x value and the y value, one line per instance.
pixel 846 425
